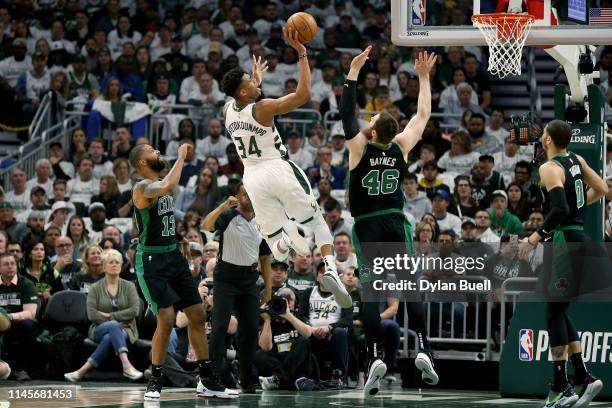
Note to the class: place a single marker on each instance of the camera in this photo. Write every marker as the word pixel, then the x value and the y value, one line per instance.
pixel 276 306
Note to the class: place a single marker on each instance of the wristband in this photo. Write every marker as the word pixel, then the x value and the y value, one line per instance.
pixel 303 56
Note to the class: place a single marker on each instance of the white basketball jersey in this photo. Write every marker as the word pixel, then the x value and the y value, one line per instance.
pixel 255 143
pixel 323 310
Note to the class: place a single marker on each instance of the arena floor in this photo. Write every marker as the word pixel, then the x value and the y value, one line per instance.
pixel 130 396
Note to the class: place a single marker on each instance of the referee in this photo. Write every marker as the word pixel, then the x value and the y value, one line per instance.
pixel 235 282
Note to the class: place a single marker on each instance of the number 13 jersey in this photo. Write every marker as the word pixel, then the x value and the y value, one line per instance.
pixel 376 183
pixel 255 142
pixel 156 224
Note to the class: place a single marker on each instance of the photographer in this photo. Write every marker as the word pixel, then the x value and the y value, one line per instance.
pixel 285 359
pixel 330 324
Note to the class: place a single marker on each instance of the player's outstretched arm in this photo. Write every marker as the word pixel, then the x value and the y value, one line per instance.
pixel 355 140
pixel 598 189
pixel 266 109
pixel 414 129
pixel 149 189
pixel 209 221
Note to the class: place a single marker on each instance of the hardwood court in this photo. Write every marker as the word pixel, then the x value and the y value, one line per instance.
pixel 130 396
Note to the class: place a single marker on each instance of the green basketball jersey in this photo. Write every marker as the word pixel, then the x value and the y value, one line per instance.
pixel 156 224
pixel 376 183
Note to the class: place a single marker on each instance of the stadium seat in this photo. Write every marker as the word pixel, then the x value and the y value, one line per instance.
pixel 67 307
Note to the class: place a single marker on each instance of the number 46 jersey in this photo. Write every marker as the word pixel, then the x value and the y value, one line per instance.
pixel 255 142
pixel 376 183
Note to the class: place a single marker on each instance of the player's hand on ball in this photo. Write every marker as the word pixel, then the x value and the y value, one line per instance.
pixel 291 36
pixel 231 202
pixel 360 59
pixel 425 62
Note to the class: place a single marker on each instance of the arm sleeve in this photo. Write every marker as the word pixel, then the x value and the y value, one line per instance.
pixel 347 109
pixel 559 210
pixel 264 249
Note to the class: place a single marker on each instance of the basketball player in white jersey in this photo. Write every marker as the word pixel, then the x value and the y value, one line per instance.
pixel 279 189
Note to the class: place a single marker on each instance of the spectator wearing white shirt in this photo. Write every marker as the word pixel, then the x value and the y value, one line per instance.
pixel 273 81
pixel 214 144
pixel 204 95
pixel 297 154
pixel 506 160
pixel 38 197
pixel 238 37
pixel 57 35
pixel 321 90
pixel 464 103
pixel 234 14
pixel 81 188
pixel 164 45
pixel 449 94
pixel 198 67
pixel 216 37
pixel 121 170
pixel 446 220
pixel 19 198
pixel 387 78
pixel 43 176
pixel 13 66
pixel 33 83
pixel 197 41
pixel 495 126
pixel 124 33
pixel 345 258
pixel 102 166
pixel 485 234
pixel 245 53
pixel 288 62
pixel 270 17
pixel 460 158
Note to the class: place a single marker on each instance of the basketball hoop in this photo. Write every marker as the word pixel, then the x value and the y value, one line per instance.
pixel 505 34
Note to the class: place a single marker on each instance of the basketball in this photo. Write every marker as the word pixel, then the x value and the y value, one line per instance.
pixel 304 24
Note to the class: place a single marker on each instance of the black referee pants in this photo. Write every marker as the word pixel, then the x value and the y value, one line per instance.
pixel 235 289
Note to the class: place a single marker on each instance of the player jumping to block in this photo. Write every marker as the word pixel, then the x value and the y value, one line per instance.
pixel 162 271
pixel 377 163
pixel 565 271
pixel 279 189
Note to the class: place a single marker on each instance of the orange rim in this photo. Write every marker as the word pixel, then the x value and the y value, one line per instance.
pixel 497 17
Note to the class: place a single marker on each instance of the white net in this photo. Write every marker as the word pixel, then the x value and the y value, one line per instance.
pixel 505 35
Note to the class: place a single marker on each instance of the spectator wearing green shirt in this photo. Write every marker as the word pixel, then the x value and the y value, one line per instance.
pixel 18 297
pixel 502 220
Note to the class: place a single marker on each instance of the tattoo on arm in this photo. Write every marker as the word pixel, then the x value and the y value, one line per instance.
pixel 151 189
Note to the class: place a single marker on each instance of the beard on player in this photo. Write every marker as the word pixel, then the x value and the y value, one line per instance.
pixel 157 165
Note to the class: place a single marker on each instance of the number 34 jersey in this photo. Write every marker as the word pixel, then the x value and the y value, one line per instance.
pixel 376 183
pixel 156 224
pixel 255 142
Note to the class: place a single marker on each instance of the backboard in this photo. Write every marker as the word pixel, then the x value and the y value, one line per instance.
pixel 448 22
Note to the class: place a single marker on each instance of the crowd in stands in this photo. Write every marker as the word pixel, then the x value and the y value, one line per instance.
pixel 69 225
